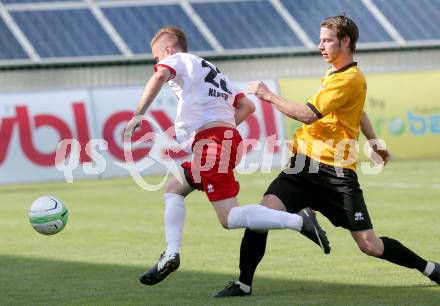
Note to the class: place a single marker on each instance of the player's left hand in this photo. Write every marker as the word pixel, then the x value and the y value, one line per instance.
pixel 132 125
pixel 259 89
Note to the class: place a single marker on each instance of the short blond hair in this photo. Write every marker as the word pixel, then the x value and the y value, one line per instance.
pixel 174 33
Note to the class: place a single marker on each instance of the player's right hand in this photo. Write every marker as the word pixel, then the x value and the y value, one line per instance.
pixel 132 125
pixel 383 153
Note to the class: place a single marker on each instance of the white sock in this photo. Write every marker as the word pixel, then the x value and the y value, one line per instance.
pixel 174 218
pixel 244 287
pixel 429 268
pixel 258 217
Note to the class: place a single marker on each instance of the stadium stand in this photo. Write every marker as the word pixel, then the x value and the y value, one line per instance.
pixel 415 20
pixel 43 31
pixel 10 48
pixel 259 23
pixel 306 14
pixel 35 1
pixel 138 23
pixel 65 33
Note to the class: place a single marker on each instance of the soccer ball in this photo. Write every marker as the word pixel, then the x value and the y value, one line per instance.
pixel 48 215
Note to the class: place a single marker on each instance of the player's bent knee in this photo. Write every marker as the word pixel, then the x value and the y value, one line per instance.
pixel 369 248
pixel 364 248
pixel 174 186
pixel 170 187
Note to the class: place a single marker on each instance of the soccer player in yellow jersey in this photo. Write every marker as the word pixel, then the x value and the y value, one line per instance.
pixel 322 172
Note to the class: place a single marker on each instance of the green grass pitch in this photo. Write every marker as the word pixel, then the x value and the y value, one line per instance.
pixel 115 232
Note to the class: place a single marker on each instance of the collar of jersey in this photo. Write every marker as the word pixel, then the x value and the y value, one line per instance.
pixel 343 68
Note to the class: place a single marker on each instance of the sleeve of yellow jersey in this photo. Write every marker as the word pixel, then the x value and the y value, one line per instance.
pixel 333 96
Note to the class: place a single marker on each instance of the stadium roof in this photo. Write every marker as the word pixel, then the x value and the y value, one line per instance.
pixel 69 31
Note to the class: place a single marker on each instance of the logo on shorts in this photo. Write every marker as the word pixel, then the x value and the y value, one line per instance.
pixel 210 188
pixel 358 216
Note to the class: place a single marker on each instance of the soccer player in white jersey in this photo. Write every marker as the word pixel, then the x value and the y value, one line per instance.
pixel 209 107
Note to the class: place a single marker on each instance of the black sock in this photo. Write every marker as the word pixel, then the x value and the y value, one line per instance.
pixel 253 246
pixel 397 253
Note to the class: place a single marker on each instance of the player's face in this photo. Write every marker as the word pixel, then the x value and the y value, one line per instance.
pixel 329 45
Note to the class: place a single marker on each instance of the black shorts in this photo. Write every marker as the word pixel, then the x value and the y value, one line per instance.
pixel 333 191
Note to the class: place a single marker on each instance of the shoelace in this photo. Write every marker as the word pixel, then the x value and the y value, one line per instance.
pixel 231 284
pixel 164 258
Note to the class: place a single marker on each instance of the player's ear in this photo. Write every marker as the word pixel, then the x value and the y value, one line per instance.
pixel 346 41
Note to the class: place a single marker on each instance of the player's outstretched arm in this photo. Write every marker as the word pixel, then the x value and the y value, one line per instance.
pixel 151 90
pixel 369 133
pixel 294 110
pixel 244 108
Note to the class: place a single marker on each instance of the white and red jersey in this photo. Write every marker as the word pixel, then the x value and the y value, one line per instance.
pixel 204 94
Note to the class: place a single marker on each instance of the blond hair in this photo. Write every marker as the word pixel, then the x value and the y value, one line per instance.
pixel 175 34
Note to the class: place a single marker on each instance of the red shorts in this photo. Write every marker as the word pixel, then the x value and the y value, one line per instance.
pixel 214 159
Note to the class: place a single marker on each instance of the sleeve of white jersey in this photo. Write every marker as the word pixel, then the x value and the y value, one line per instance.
pixel 174 64
pixel 238 93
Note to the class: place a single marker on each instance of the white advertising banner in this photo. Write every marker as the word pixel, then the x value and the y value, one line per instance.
pixel 114 108
pixel 32 125
pixel 87 126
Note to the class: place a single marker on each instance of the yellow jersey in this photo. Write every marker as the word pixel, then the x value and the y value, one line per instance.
pixel 339 104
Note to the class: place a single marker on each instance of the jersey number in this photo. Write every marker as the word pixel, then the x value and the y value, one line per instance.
pixel 210 77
